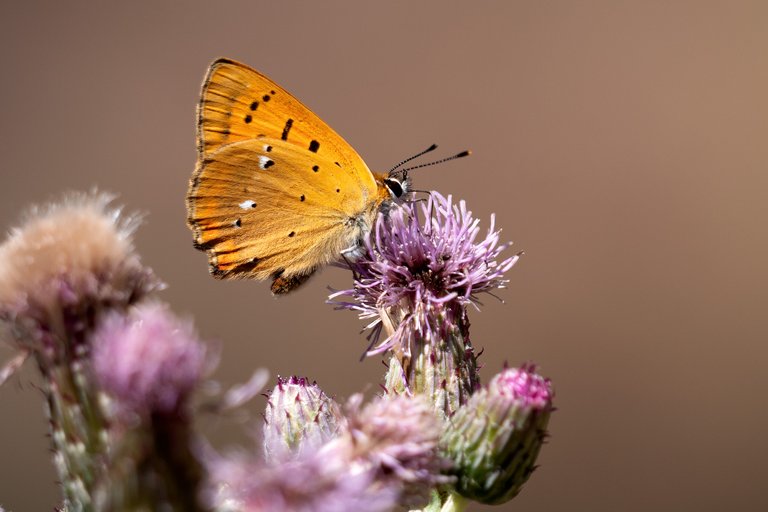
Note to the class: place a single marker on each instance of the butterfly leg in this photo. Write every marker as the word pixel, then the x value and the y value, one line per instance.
pixel 350 255
pixel 282 285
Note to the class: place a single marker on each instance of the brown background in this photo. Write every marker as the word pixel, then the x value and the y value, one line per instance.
pixel 622 145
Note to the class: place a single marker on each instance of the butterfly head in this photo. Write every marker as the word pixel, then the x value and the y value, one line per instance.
pixel 398 184
pixel 397 181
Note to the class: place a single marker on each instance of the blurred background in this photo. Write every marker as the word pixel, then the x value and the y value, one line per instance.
pixel 622 145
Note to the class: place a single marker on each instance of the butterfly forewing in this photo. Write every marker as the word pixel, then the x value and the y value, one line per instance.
pixel 240 103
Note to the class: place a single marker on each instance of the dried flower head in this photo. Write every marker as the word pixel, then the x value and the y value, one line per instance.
pixel 148 360
pixel 299 416
pixel 412 270
pixel 66 263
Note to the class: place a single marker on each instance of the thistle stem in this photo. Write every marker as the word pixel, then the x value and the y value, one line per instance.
pixel 440 363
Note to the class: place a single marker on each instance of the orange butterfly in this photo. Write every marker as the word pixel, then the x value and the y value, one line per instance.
pixel 276 192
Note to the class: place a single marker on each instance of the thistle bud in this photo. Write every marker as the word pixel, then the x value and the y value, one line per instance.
pixel 299 414
pixel 495 438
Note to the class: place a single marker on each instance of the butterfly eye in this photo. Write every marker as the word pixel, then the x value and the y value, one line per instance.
pixel 394 186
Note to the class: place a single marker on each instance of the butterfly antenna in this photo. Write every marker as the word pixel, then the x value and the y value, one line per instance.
pixel 430 148
pixel 454 157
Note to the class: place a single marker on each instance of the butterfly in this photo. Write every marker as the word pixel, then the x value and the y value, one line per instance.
pixel 277 193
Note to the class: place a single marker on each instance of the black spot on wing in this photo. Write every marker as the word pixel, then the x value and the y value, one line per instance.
pixel 315 168
pixel 254 105
pixel 314 146
pixel 287 129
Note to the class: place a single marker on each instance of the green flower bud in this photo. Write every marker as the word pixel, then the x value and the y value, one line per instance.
pixel 495 438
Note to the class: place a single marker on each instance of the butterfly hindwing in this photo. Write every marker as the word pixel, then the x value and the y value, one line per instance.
pixel 262 208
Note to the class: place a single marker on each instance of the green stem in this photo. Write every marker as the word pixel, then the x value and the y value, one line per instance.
pixel 441 363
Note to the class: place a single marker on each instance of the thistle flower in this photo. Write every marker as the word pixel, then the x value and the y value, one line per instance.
pixel 398 437
pixel 415 281
pixel 417 269
pixel 311 482
pixel 385 453
pixel 494 439
pixel 68 265
pixel 148 361
pixel 299 416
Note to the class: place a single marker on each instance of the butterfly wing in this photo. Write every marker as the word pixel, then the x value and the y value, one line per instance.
pixel 239 103
pixel 276 192
pixel 263 208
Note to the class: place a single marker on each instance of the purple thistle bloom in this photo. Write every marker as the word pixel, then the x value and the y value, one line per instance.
pixel 149 360
pixel 385 453
pixel 413 269
pixel 398 437
pixel 524 386
pixel 312 482
pixel 423 266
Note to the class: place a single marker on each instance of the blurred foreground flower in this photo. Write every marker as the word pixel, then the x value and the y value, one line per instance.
pixel 384 453
pixel 70 275
pixel 309 483
pixel 148 360
pixel 66 265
